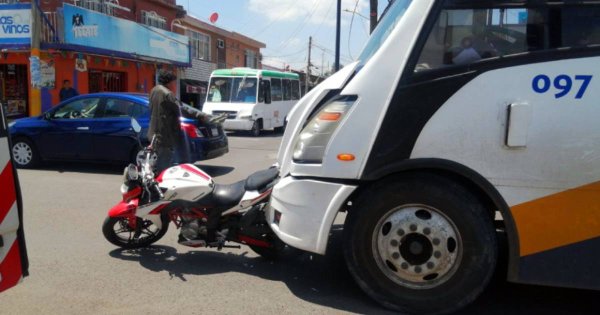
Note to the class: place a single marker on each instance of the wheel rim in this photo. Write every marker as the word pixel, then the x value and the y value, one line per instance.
pixel 22 153
pixel 417 246
pixel 127 235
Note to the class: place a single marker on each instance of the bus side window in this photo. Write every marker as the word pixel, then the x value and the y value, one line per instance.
pixel 295 90
pixel 276 91
pixel 264 94
pixel 287 87
pixel 465 36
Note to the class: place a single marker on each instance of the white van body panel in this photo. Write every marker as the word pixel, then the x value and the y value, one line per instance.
pixel 566 123
pixel 308 210
pixel 360 127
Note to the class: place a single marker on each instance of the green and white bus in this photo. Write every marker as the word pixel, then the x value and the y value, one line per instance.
pixel 253 99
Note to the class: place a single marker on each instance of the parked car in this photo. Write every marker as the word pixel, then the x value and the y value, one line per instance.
pixel 97 127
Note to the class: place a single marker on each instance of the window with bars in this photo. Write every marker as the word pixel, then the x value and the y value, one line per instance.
pixel 151 18
pixel 102 6
pixel 200 45
pixel 251 60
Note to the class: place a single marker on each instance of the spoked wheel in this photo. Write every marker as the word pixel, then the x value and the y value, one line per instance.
pixel 118 232
pixel 24 153
pixel 420 244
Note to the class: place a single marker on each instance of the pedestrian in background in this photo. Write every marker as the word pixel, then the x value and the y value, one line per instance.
pixel 67 91
pixel 165 126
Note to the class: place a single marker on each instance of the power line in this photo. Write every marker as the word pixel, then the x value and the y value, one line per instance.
pixel 325 17
pixel 351 23
pixel 302 25
pixel 294 3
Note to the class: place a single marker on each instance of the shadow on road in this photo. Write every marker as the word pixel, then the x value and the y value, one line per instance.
pixel 325 280
pixel 263 134
pixel 82 167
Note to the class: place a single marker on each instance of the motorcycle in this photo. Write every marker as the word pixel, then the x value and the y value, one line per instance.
pixel 208 214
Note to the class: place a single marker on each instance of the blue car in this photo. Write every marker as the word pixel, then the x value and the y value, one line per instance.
pixel 97 128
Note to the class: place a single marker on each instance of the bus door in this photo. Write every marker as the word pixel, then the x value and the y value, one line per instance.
pixel 13 254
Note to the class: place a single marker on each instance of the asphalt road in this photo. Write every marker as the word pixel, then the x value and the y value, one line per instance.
pixel 75 271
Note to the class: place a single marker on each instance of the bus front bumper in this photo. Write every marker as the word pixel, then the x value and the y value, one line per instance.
pixel 301 212
pixel 238 124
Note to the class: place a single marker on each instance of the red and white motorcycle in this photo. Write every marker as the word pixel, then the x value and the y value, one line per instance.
pixel 208 214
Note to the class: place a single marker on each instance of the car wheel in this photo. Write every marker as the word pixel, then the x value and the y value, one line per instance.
pixel 255 131
pixel 24 153
pixel 420 244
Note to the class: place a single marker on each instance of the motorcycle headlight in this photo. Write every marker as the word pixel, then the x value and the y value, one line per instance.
pixel 132 172
pixel 315 136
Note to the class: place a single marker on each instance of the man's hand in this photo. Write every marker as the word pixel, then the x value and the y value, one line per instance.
pixel 219 119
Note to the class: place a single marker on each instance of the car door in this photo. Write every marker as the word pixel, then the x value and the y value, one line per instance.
pixel 113 136
pixel 69 133
pixel 13 254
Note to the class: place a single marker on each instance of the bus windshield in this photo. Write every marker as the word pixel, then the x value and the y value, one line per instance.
pixel 232 90
pixel 393 14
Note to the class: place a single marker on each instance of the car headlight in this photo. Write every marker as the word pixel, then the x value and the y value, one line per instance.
pixel 315 136
pixel 245 117
pixel 12 123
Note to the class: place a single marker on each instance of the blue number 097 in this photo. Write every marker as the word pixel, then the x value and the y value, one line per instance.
pixel 563 84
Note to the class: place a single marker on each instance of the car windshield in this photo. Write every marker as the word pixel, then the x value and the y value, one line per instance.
pixel 232 90
pixel 392 15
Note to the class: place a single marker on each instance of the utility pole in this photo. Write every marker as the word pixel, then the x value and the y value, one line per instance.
pixel 373 14
pixel 308 65
pixel 337 35
pixel 35 94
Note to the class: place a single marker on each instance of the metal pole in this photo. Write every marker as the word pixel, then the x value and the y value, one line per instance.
pixel 35 94
pixel 337 35
pixel 374 14
pixel 307 81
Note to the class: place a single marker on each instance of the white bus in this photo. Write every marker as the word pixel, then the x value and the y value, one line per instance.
pixel 459 120
pixel 253 99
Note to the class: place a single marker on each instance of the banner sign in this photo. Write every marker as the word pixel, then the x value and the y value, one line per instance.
pixel 92 29
pixel 15 23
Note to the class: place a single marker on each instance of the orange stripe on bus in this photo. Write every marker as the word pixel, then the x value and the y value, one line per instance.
pixel 557 220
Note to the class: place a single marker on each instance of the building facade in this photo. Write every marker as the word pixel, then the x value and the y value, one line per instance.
pixel 212 48
pixel 98 45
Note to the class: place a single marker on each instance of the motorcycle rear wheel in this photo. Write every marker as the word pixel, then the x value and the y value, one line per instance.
pixel 114 230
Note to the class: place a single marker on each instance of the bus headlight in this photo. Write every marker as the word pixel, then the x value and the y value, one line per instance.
pixel 315 136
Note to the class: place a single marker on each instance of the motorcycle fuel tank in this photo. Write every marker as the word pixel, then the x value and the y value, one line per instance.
pixel 185 182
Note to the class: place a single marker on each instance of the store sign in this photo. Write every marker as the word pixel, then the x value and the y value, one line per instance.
pixel 92 29
pixel 192 89
pixel 15 23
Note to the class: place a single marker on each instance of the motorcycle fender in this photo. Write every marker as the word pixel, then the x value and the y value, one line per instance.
pixel 124 209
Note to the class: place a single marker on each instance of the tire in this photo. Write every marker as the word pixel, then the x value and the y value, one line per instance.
pixel 282 128
pixel 25 153
pixel 270 253
pixel 255 131
pixel 420 244
pixel 108 229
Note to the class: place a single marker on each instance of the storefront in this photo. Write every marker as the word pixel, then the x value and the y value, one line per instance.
pixel 15 38
pixel 126 63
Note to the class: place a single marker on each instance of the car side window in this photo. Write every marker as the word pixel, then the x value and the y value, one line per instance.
pixel 118 108
pixel 79 109
pixel 465 36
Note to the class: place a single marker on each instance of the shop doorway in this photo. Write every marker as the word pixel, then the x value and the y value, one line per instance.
pixel 14 90
pixel 105 81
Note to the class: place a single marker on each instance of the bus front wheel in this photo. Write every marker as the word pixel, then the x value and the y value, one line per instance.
pixel 420 244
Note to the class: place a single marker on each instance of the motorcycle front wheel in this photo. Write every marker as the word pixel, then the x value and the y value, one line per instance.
pixel 118 232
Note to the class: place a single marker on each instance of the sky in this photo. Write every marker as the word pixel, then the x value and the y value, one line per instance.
pixel 285 26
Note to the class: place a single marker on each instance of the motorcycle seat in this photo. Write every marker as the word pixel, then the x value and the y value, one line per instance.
pixel 261 179
pixel 228 196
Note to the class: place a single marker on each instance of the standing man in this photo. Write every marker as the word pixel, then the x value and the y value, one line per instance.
pixel 165 126
pixel 67 91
